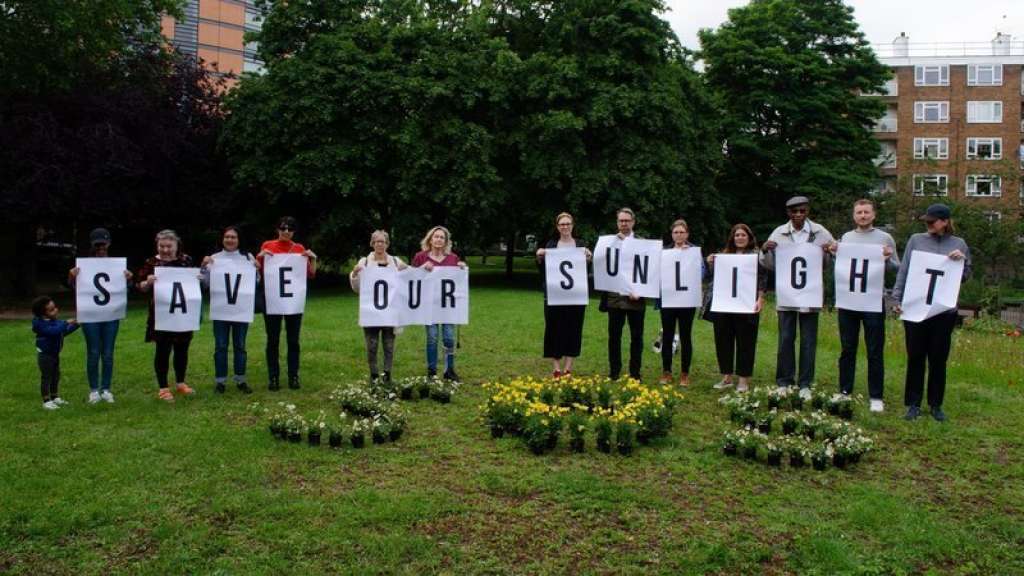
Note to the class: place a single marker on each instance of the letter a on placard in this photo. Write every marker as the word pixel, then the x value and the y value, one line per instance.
pixel 177 299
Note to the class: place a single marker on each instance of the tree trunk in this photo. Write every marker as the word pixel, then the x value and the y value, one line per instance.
pixel 510 254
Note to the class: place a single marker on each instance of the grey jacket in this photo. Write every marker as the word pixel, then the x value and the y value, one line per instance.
pixel 925 242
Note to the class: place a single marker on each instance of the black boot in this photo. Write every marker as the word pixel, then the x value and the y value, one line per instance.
pixel 293 382
pixel 387 377
pixel 431 372
pixel 244 388
pixel 275 384
pixel 450 374
pixel 219 388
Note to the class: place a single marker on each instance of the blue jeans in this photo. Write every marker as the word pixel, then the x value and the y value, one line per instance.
pixel 874 341
pixel 99 345
pixel 785 368
pixel 222 331
pixel 448 336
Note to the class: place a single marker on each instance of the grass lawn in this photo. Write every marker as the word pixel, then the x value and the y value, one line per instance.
pixel 200 487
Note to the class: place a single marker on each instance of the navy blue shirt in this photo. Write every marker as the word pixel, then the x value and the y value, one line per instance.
pixel 50 334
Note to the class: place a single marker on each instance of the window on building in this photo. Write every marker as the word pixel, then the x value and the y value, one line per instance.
pixel 931 185
pixel 992 215
pixel 985 111
pixel 984 148
pixel 935 148
pixel 984 74
pixel 930 112
pixel 984 185
pixel 937 75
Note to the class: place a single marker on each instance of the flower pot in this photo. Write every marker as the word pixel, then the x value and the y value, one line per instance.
pixel 749 422
pixel 442 397
pixel 424 392
pixel 625 449
pixel 788 428
pixel 497 431
pixel 551 441
pixel 395 434
pixel 774 459
pixel 773 403
pixel 819 463
pixel 854 458
pixel 537 448
pixel 273 430
pixel 809 433
pixel 729 449
pixel 817 402
pixel 604 445
pixel 295 437
pixel 797 402
pixel 576 444
pixel 839 461
pixel 797 461
pixel 358 441
pixel 643 437
pixel 846 411
pixel 314 439
pixel 379 437
pixel 334 440
pixel 833 409
pixel 406 394
pixel 764 427
pixel 750 452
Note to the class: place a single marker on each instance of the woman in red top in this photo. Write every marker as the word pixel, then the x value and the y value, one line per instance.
pixel 292 322
pixel 437 251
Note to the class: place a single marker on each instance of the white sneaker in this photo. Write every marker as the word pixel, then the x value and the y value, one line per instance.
pixel 742 387
pixel 782 390
pixel 722 384
pixel 60 401
pixel 50 405
pixel 107 396
pixel 94 397
pixel 877 405
pixel 805 393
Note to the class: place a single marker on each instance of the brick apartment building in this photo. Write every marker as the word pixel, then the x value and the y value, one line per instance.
pixel 953 123
pixel 214 31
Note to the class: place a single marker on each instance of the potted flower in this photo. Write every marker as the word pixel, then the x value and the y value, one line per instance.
pixel 406 388
pixel 357 436
pixel 577 424
pixel 335 431
pixel 749 419
pixel 790 422
pixel 399 421
pixel 625 432
pixel 821 455
pixel 317 426
pixel 764 422
pixel 773 453
pixel 798 453
pixel 603 434
pixel 729 443
pixel 846 407
pixel 536 433
pixel 748 443
pixel 442 390
pixel 818 400
pixel 296 426
pixel 796 402
pixel 380 429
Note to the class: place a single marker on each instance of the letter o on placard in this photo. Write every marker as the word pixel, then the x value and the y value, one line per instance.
pixel 380 295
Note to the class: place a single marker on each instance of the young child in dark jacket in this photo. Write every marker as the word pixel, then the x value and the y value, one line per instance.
pixel 50 333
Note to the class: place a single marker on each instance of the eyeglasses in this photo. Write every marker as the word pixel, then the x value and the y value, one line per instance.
pixel 625 221
pixel 286 228
pixel 560 224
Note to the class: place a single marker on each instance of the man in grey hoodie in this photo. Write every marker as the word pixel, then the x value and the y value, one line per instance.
pixel 799 228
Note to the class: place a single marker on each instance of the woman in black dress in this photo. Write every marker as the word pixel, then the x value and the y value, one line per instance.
pixel 563 325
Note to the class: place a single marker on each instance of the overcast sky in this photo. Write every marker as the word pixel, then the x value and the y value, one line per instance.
pixel 881 20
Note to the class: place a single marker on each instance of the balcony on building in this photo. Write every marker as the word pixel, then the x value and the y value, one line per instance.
pixel 886 125
pixel 889 89
pixel 901 49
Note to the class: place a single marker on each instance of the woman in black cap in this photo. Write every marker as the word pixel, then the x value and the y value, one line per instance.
pixel 99 336
pixel 928 341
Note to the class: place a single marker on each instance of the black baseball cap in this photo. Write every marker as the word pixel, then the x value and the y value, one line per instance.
pixel 99 236
pixel 936 212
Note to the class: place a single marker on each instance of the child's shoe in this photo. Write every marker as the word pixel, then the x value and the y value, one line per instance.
pixel 107 397
pixel 184 389
pixel 50 405
pixel 165 395
pixel 94 397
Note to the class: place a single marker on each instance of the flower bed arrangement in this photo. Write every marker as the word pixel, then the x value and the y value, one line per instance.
pixel 777 427
pixel 617 414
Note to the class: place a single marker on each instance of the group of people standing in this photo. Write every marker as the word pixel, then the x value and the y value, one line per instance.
pixel 735 334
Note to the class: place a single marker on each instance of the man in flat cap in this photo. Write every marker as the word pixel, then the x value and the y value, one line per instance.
pixel 800 228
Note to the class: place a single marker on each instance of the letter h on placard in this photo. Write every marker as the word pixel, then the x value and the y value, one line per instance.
pixel 862 275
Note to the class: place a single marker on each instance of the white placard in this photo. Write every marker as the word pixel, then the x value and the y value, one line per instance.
pixel 566 276
pixel 415 297
pixel 177 299
pixel 641 260
pixel 798 275
pixel 451 295
pixel 232 290
pixel 681 278
pixel 609 273
pixel 860 277
pixel 379 296
pixel 735 284
pixel 933 285
pixel 284 282
pixel 101 290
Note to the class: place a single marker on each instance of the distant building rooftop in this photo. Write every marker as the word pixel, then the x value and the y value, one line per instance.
pixel 902 52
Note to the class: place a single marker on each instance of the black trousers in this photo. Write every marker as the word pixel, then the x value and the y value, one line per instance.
pixel 736 342
pixel 874 341
pixel 616 320
pixel 928 342
pixel 162 360
pixel 670 318
pixel 49 375
pixel 292 327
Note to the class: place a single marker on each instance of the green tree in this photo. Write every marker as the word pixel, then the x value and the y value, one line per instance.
pixel 790 74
